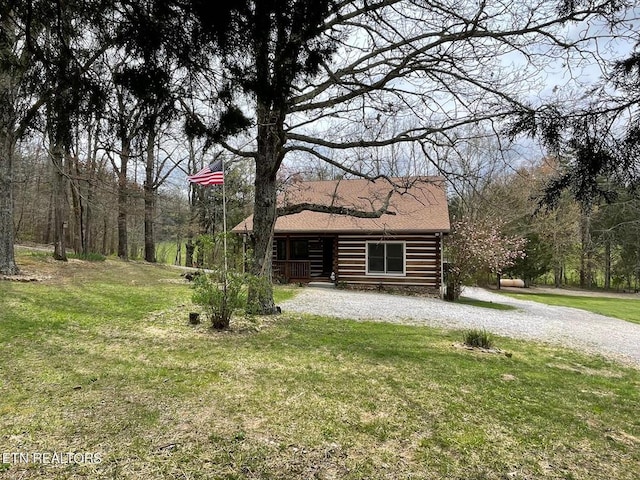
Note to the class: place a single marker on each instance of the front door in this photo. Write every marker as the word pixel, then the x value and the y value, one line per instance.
pixel 327 256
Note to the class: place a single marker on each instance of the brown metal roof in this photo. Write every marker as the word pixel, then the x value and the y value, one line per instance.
pixel 419 204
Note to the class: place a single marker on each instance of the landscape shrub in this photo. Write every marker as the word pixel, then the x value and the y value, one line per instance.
pixel 221 294
pixel 478 338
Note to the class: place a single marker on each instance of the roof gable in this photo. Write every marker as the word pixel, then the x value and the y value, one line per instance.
pixel 416 205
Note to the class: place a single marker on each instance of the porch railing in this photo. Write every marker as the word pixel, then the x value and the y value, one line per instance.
pixel 292 269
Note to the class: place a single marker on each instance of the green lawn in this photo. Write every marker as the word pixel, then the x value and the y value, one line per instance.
pixel 625 309
pixel 100 358
pixel 484 304
pixel 166 252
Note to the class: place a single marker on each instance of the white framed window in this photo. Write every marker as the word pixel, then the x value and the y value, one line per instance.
pixel 385 258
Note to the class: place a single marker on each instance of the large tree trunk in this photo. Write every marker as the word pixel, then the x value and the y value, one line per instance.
pixel 106 248
pixel 586 249
pixel 88 245
pixel 7 259
pixel 264 217
pixel 59 202
pixel 607 264
pixel 149 213
pixel 123 199
pixel 78 232
pixel 557 276
pixel 269 158
pixel 149 201
pixel 202 225
pixel 190 249
pixel 7 144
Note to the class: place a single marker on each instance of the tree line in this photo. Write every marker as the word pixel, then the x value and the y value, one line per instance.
pixel 182 213
pixel 569 244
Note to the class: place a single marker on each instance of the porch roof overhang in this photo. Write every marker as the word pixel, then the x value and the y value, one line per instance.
pixel 247 228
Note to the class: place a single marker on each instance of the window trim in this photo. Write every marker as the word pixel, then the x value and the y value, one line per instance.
pixel 385 273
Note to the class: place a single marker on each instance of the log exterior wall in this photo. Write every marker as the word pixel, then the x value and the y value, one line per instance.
pixel 422 262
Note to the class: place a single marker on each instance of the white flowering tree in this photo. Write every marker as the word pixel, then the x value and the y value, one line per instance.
pixel 477 246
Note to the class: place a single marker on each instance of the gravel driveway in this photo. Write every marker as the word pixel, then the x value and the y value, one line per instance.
pixel 532 321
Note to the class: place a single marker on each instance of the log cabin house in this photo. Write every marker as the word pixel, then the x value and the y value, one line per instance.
pixel 400 249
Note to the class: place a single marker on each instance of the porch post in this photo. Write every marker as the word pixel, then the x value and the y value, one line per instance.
pixel 440 251
pixel 334 267
pixel 287 256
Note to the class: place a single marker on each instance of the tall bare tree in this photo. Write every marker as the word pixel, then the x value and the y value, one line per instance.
pixel 319 77
pixel 49 39
pixel 12 66
pixel 20 24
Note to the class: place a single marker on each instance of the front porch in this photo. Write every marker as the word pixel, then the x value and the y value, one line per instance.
pixel 298 259
pixel 292 270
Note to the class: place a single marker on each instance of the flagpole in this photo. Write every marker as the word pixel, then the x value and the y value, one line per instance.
pixel 224 218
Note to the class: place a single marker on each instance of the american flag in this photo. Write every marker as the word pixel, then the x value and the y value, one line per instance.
pixel 212 174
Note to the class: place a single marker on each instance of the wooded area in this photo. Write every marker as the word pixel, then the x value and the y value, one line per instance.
pixel 593 246
pixel 107 105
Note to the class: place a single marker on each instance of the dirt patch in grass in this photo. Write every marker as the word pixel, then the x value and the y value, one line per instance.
pixel 25 277
pixel 625 438
pixel 38 267
pixel 481 350
pixel 584 370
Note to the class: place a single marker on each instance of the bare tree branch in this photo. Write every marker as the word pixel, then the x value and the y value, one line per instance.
pixel 337 210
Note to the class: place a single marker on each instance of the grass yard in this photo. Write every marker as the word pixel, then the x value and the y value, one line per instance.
pixel 166 252
pixel 99 358
pixel 484 304
pixel 622 308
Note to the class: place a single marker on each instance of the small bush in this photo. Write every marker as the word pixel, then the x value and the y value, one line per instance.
pixel 478 338
pixel 220 295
